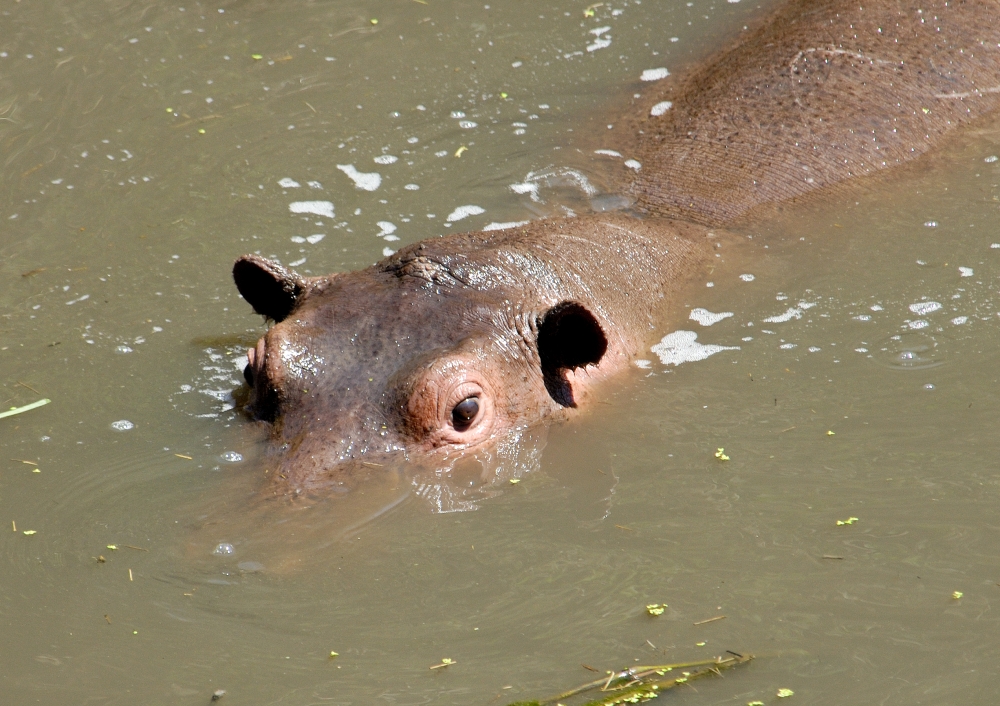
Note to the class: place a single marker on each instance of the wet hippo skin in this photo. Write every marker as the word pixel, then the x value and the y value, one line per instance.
pixel 455 342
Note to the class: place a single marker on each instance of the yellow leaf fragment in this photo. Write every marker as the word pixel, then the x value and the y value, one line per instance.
pixel 30 532
pixel 755 703
pixel 656 608
pixel 445 662
pixel 373 21
pixel 113 547
pixel 256 57
pixel 460 150
pixel 515 481
pixel 830 433
pixel 700 644
pixel 784 693
pixel 720 454
pixel 334 655
pixel 848 521
pixel 502 94
pixel 957 594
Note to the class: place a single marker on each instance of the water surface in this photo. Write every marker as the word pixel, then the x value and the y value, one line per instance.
pixel 145 147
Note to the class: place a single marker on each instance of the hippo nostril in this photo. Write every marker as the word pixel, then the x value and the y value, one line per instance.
pixel 248 374
pixel 465 413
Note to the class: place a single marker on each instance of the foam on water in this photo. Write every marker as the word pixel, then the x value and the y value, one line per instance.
pixel 319 208
pixel 654 74
pixel 925 308
pixel 608 153
pixel 707 318
pixel 366 181
pixel 386 159
pixel 683 347
pixel 287 183
pixel 505 226
pixel 661 108
pixel 791 313
pixel 464 212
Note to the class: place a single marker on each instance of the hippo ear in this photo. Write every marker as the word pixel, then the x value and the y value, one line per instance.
pixel 269 288
pixel 569 337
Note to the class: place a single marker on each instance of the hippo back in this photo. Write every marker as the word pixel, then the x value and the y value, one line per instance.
pixel 825 91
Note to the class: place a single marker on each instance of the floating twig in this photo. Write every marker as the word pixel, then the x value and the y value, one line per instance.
pixel 710 620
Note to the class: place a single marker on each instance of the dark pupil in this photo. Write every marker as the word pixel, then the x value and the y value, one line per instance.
pixel 464 412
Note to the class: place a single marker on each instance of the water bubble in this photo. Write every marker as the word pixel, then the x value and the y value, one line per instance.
pixel 231 457
pixel 122 425
pixel 929 386
pixel 123 349
pixel 747 277
pixel 250 566
pixel 224 549
pixel 916 350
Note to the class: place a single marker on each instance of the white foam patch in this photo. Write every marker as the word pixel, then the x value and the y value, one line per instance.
pixel 792 313
pixel 966 271
pixel 366 181
pixel 654 74
pixel 608 153
pixel 644 364
pixel 925 308
pixel 386 228
pixel 526 188
pixel 919 323
pixel 598 31
pixel 747 277
pixel 683 347
pixel 313 239
pixel 386 159
pixel 661 108
pixel 386 252
pixel 314 185
pixel 599 43
pixel 287 183
pixel 707 318
pixel 319 208
pixel 464 212
pixel 633 164
pixel 959 320
pixel 558 176
pixel 412 187
pixel 505 226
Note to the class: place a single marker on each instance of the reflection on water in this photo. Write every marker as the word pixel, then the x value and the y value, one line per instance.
pixel 147 146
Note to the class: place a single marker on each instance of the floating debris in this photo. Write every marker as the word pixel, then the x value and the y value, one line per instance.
pixel 848 521
pixel 26 408
pixel 656 608
pixel 638 684
pixel 784 693
pixel 956 595
pixel 720 453
pixel 445 662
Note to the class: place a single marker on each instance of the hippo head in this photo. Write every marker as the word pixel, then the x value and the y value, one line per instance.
pixel 420 358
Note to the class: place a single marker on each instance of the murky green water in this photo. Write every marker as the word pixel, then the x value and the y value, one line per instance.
pixel 119 221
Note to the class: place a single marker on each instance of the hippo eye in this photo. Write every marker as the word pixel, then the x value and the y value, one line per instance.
pixel 465 413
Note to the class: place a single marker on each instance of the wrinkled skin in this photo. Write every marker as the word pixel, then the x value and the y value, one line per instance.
pixel 452 343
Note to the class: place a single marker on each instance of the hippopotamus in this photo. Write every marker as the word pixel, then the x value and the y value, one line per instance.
pixel 452 343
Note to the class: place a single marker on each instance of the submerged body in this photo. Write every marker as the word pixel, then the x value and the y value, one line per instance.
pixel 453 343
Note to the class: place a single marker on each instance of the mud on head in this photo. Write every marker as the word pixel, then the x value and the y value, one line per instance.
pixel 408 360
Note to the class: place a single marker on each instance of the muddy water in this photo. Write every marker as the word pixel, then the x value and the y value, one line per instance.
pixel 144 147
